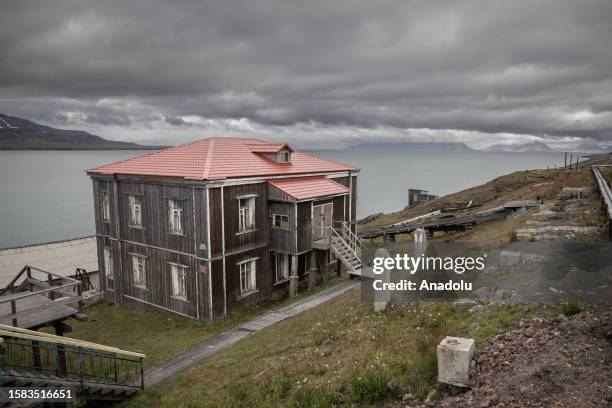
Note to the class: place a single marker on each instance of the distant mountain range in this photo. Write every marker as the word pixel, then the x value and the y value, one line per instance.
pixel 520 148
pixel 22 134
pixel 592 147
pixel 412 146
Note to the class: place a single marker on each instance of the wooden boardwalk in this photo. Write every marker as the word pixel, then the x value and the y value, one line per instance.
pixel 170 368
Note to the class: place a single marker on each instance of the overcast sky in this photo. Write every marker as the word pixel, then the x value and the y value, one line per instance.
pixel 314 73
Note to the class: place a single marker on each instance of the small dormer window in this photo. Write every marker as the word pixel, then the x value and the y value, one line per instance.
pixel 284 156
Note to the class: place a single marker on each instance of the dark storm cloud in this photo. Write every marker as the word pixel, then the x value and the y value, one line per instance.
pixel 533 68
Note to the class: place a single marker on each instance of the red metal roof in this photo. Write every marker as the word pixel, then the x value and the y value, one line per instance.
pixel 219 158
pixel 303 188
pixel 268 147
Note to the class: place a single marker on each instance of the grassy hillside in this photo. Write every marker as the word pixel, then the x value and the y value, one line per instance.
pixel 520 185
pixel 340 353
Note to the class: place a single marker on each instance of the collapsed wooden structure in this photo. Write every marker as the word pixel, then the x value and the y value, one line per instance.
pixel 35 298
pixel 448 223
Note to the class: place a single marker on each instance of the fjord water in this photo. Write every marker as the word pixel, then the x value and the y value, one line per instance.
pixel 46 195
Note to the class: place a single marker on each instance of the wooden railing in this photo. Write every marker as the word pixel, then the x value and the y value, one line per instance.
pixel 60 289
pixel 31 354
pixel 606 194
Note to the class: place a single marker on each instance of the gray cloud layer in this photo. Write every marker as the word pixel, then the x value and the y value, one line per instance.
pixel 144 69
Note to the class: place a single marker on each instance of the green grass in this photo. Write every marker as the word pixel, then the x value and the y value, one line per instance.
pixel 161 335
pixel 498 317
pixel 341 353
pixel 570 307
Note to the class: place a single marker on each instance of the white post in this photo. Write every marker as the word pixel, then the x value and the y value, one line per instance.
pixel 420 242
pixel 293 278
pixel 382 297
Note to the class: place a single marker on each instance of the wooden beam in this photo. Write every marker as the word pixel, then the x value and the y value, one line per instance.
pixel 17 332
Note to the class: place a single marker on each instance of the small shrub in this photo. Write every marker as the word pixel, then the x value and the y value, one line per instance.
pixel 310 398
pixel 426 365
pixel 422 390
pixel 570 307
pixel 423 342
pixel 279 386
pixel 370 387
pixel 324 337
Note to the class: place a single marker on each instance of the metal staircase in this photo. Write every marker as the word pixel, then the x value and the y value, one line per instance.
pixel 35 359
pixel 347 247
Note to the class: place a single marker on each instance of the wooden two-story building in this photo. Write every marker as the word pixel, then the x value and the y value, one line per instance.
pixel 205 227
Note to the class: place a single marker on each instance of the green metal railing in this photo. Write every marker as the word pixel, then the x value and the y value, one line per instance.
pixel 32 357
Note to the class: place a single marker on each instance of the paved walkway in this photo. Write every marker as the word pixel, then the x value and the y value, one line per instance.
pixel 203 351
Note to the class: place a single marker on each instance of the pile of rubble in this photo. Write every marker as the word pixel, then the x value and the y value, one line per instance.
pixel 563 218
pixel 560 362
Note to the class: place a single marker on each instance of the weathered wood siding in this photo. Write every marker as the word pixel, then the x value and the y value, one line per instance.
pixel 218 289
pixel 158 289
pixel 282 240
pixel 274 194
pixel 234 239
pixel 216 215
pixel 155 230
pixel 338 208
pixel 304 226
pixel 104 227
pixel 264 277
pixel 354 204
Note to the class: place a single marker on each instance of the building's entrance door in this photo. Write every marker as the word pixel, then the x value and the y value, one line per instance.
pixel 321 220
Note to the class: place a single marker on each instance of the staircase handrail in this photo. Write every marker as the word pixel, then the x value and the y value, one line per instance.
pixel 333 233
pixel 18 332
pixel 353 239
pixel 29 354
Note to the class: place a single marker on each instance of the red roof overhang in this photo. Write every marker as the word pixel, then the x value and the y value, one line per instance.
pixel 304 188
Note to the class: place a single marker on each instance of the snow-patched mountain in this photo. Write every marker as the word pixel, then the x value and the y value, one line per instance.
pixel 18 133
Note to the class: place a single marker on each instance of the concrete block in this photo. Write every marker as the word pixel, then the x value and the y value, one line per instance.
pixel 454 357
pixel 464 304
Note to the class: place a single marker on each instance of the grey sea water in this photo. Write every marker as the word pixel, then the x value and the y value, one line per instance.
pixel 46 195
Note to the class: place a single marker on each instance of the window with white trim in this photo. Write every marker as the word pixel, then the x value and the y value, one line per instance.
pixel 179 280
pixel 247 276
pixel 281 221
pixel 105 205
pixel 282 267
pixel 284 156
pixel 246 213
pixel 108 263
pixel 175 209
pixel 135 204
pixel 139 270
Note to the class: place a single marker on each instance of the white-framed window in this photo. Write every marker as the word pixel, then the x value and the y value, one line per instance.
pixel 135 204
pixel 175 209
pixel 179 280
pixel 247 276
pixel 139 270
pixel 246 213
pixel 281 221
pixel 105 205
pixel 108 263
pixel 282 267
pixel 285 156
